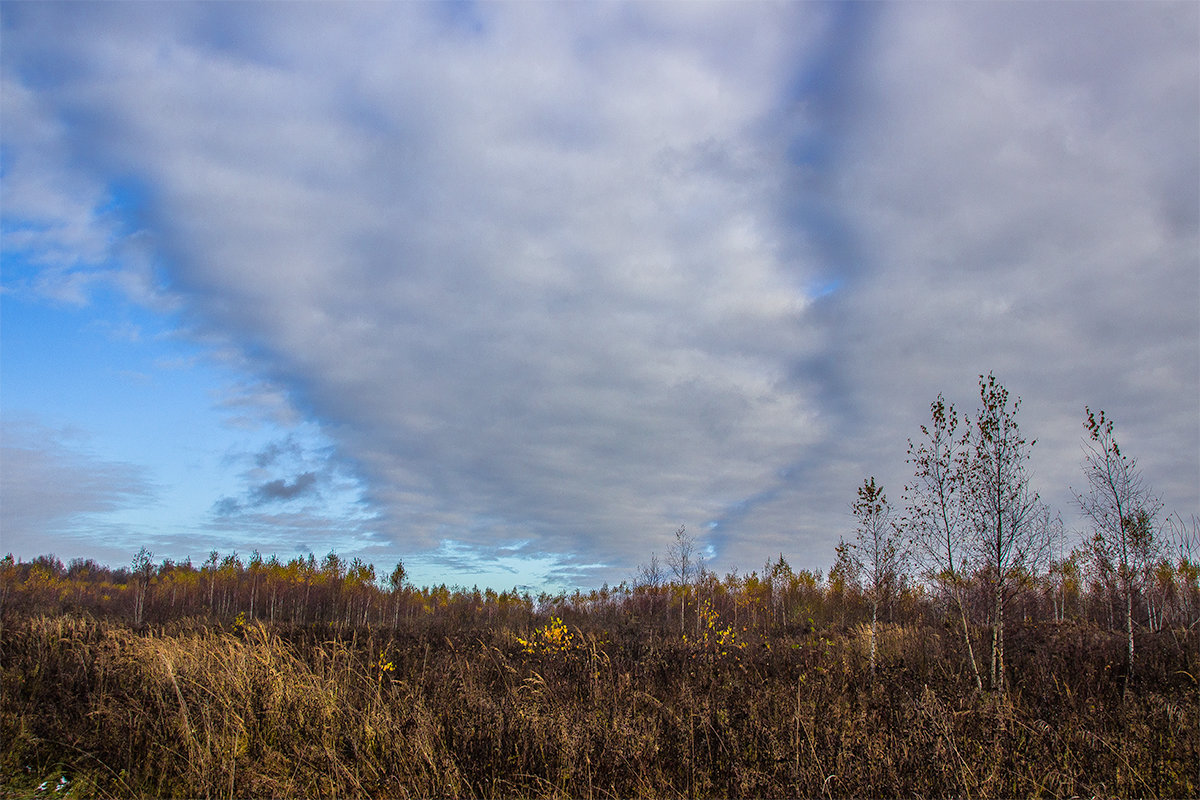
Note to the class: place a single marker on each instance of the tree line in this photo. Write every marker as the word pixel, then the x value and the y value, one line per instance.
pixel 302 591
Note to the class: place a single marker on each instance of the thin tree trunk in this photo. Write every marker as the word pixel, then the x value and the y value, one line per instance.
pixel 1129 629
pixel 874 621
pixel 962 611
pixel 998 643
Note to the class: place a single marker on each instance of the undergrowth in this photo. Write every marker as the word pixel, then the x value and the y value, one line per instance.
pixel 94 708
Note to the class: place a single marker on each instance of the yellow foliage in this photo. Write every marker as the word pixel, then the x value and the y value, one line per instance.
pixel 552 638
pixel 710 633
pixel 383 667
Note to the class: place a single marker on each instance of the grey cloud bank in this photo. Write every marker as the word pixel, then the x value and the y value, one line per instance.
pixel 556 279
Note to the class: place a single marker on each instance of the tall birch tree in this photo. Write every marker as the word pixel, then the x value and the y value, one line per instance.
pixel 1122 510
pixel 935 515
pixel 1009 525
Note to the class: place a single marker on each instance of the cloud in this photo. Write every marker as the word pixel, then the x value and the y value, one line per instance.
pixel 288 449
pixel 63 236
pixel 226 507
pixel 282 490
pixel 1021 210
pixel 571 276
pixel 488 284
pixel 54 491
pixel 282 455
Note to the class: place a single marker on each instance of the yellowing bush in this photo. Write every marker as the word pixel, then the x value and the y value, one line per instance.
pixel 552 638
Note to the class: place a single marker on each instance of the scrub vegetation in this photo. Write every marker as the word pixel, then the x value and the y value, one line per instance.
pixel 956 648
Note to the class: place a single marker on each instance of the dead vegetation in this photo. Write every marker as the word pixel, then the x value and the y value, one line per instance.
pixel 194 708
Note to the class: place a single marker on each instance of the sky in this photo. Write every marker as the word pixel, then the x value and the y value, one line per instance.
pixel 511 291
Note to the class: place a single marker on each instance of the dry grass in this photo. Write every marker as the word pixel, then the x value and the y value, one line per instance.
pixel 196 711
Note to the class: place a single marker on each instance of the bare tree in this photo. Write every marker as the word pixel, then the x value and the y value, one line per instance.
pixel 681 556
pixel 651 578
pixel 1122 510
pixel 935 512
pixel 878 551
pixel 1009 525
pixel 683 561
pixel 651 575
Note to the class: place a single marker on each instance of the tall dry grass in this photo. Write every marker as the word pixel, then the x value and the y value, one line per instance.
pixel 195 711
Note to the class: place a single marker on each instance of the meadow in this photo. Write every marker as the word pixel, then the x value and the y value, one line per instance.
pixel 747 687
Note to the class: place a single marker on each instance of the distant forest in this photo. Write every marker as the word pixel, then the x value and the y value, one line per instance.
pixel 344 594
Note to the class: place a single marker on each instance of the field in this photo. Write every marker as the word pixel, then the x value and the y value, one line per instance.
pixel 603 702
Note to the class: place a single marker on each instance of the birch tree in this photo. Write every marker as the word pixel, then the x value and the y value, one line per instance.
pixel 1008 523
pixel 683 561
pixel 1122 510
pixel 935 517
pixel 877 550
